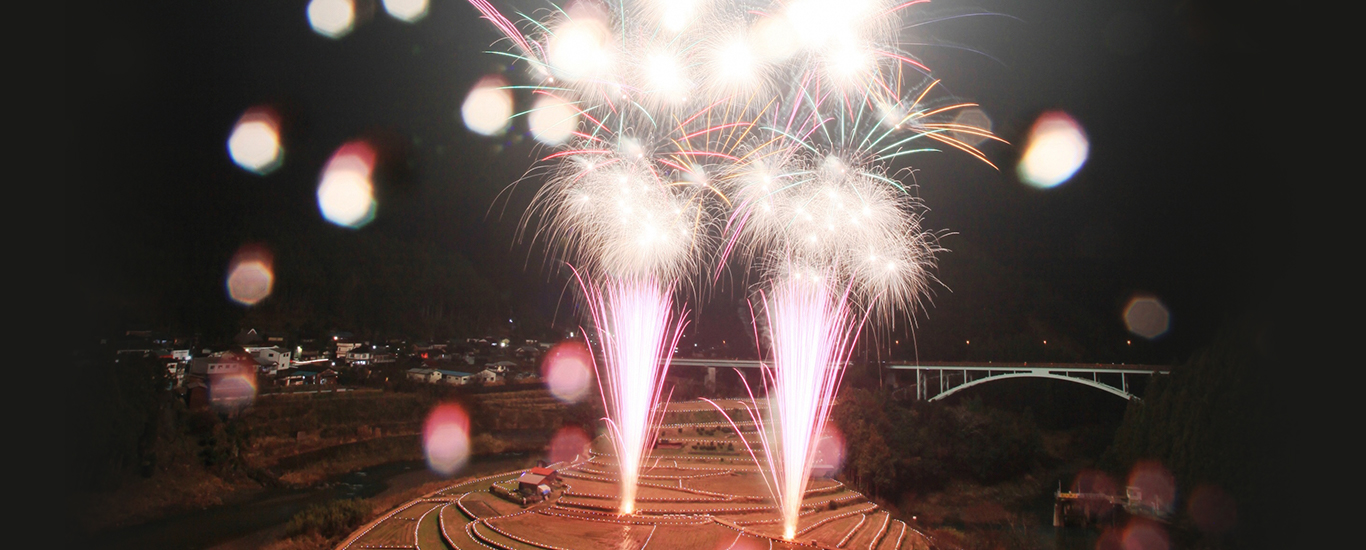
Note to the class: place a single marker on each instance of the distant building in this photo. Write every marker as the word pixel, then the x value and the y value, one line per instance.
pixel 273 358
pixel 230 377
pixel 424 375
pixel 359 355
pixel 487 376
pixel 456 378
pixel 344 348
pixel 533 485
pixel 549 475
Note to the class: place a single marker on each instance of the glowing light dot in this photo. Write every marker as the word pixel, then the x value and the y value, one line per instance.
pixel 255 141
pixel 552 120
pixel 568 371
pixel 1057 149
pixel 579 49
pixel 1147 317
pixel 736 63
pixel 345 194
pixel 1145 535
pixel 332 18
pixel 250 275
pixel 567 444
pixel 775 38
pixel 488 107
pixel 446 439
pixel 408 11
pixel 975 118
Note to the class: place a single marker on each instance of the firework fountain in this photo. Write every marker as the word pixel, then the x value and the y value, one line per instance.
pixel 709 132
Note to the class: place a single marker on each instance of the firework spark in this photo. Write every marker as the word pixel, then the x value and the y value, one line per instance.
pixel 635 326
pixel 695 133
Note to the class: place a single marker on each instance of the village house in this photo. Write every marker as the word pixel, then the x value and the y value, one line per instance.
pixel 456 378
pixel 272 359
pixel 487 376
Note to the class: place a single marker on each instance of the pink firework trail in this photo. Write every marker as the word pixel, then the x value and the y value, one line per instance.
pixel 637 332
pixel 812 330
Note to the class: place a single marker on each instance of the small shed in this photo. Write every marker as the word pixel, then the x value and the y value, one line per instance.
pixel 549 476
pixel 529 483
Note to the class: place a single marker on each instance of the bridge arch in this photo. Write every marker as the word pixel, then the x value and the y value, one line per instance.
pixel 950 378
pixel 1048 376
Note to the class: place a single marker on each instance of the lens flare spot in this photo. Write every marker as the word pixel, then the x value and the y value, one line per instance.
pixel 775 39
pixel 250 275
pixel 829 453
pixel 233 390
pixel 552 120
pixel 567 444
pixel 1213 510
pixel 1095 482
pixel 409 11
pixel 568 371
pixel 488 107
pixel 581 46
pixel 332 18
pixel 971 117
pixel 345 194
pixel 736 64
pixel 1151 486
pixel 255 141
pixel 1146 317
pixel 1112 538
pixel 1057 149
pixel 1143 534
pixel 446 439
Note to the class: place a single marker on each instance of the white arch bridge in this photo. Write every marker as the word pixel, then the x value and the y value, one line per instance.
pixel 937 381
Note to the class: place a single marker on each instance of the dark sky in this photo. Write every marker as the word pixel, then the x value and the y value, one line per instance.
pixel 1172 201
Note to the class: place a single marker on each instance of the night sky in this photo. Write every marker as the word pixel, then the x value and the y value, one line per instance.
pixel 1172 201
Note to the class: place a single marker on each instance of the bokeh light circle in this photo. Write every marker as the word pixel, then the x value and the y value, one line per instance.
pixel 830 450
pixel 1142 534
pixel 487 109
pixel 251 275
pixel 568 371
pixel 975 118
pixel 1155 485
pixel 332 18
pixel 254 143
pixel 1146 316
pixel 1095 482
pixel 345 193
pixel 446 439
pixel 552 120
pixel 1057 149
pixel 408 11
pixel 233 391
pixel 567 444
pixel 581 46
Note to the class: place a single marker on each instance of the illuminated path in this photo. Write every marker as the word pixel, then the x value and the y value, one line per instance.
pixel 697 496
pixel 937 381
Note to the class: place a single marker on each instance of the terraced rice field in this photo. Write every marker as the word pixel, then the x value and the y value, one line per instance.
pixel 688 501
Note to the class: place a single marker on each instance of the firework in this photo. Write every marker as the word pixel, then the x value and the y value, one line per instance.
pixel 690 134
pixel 636 329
